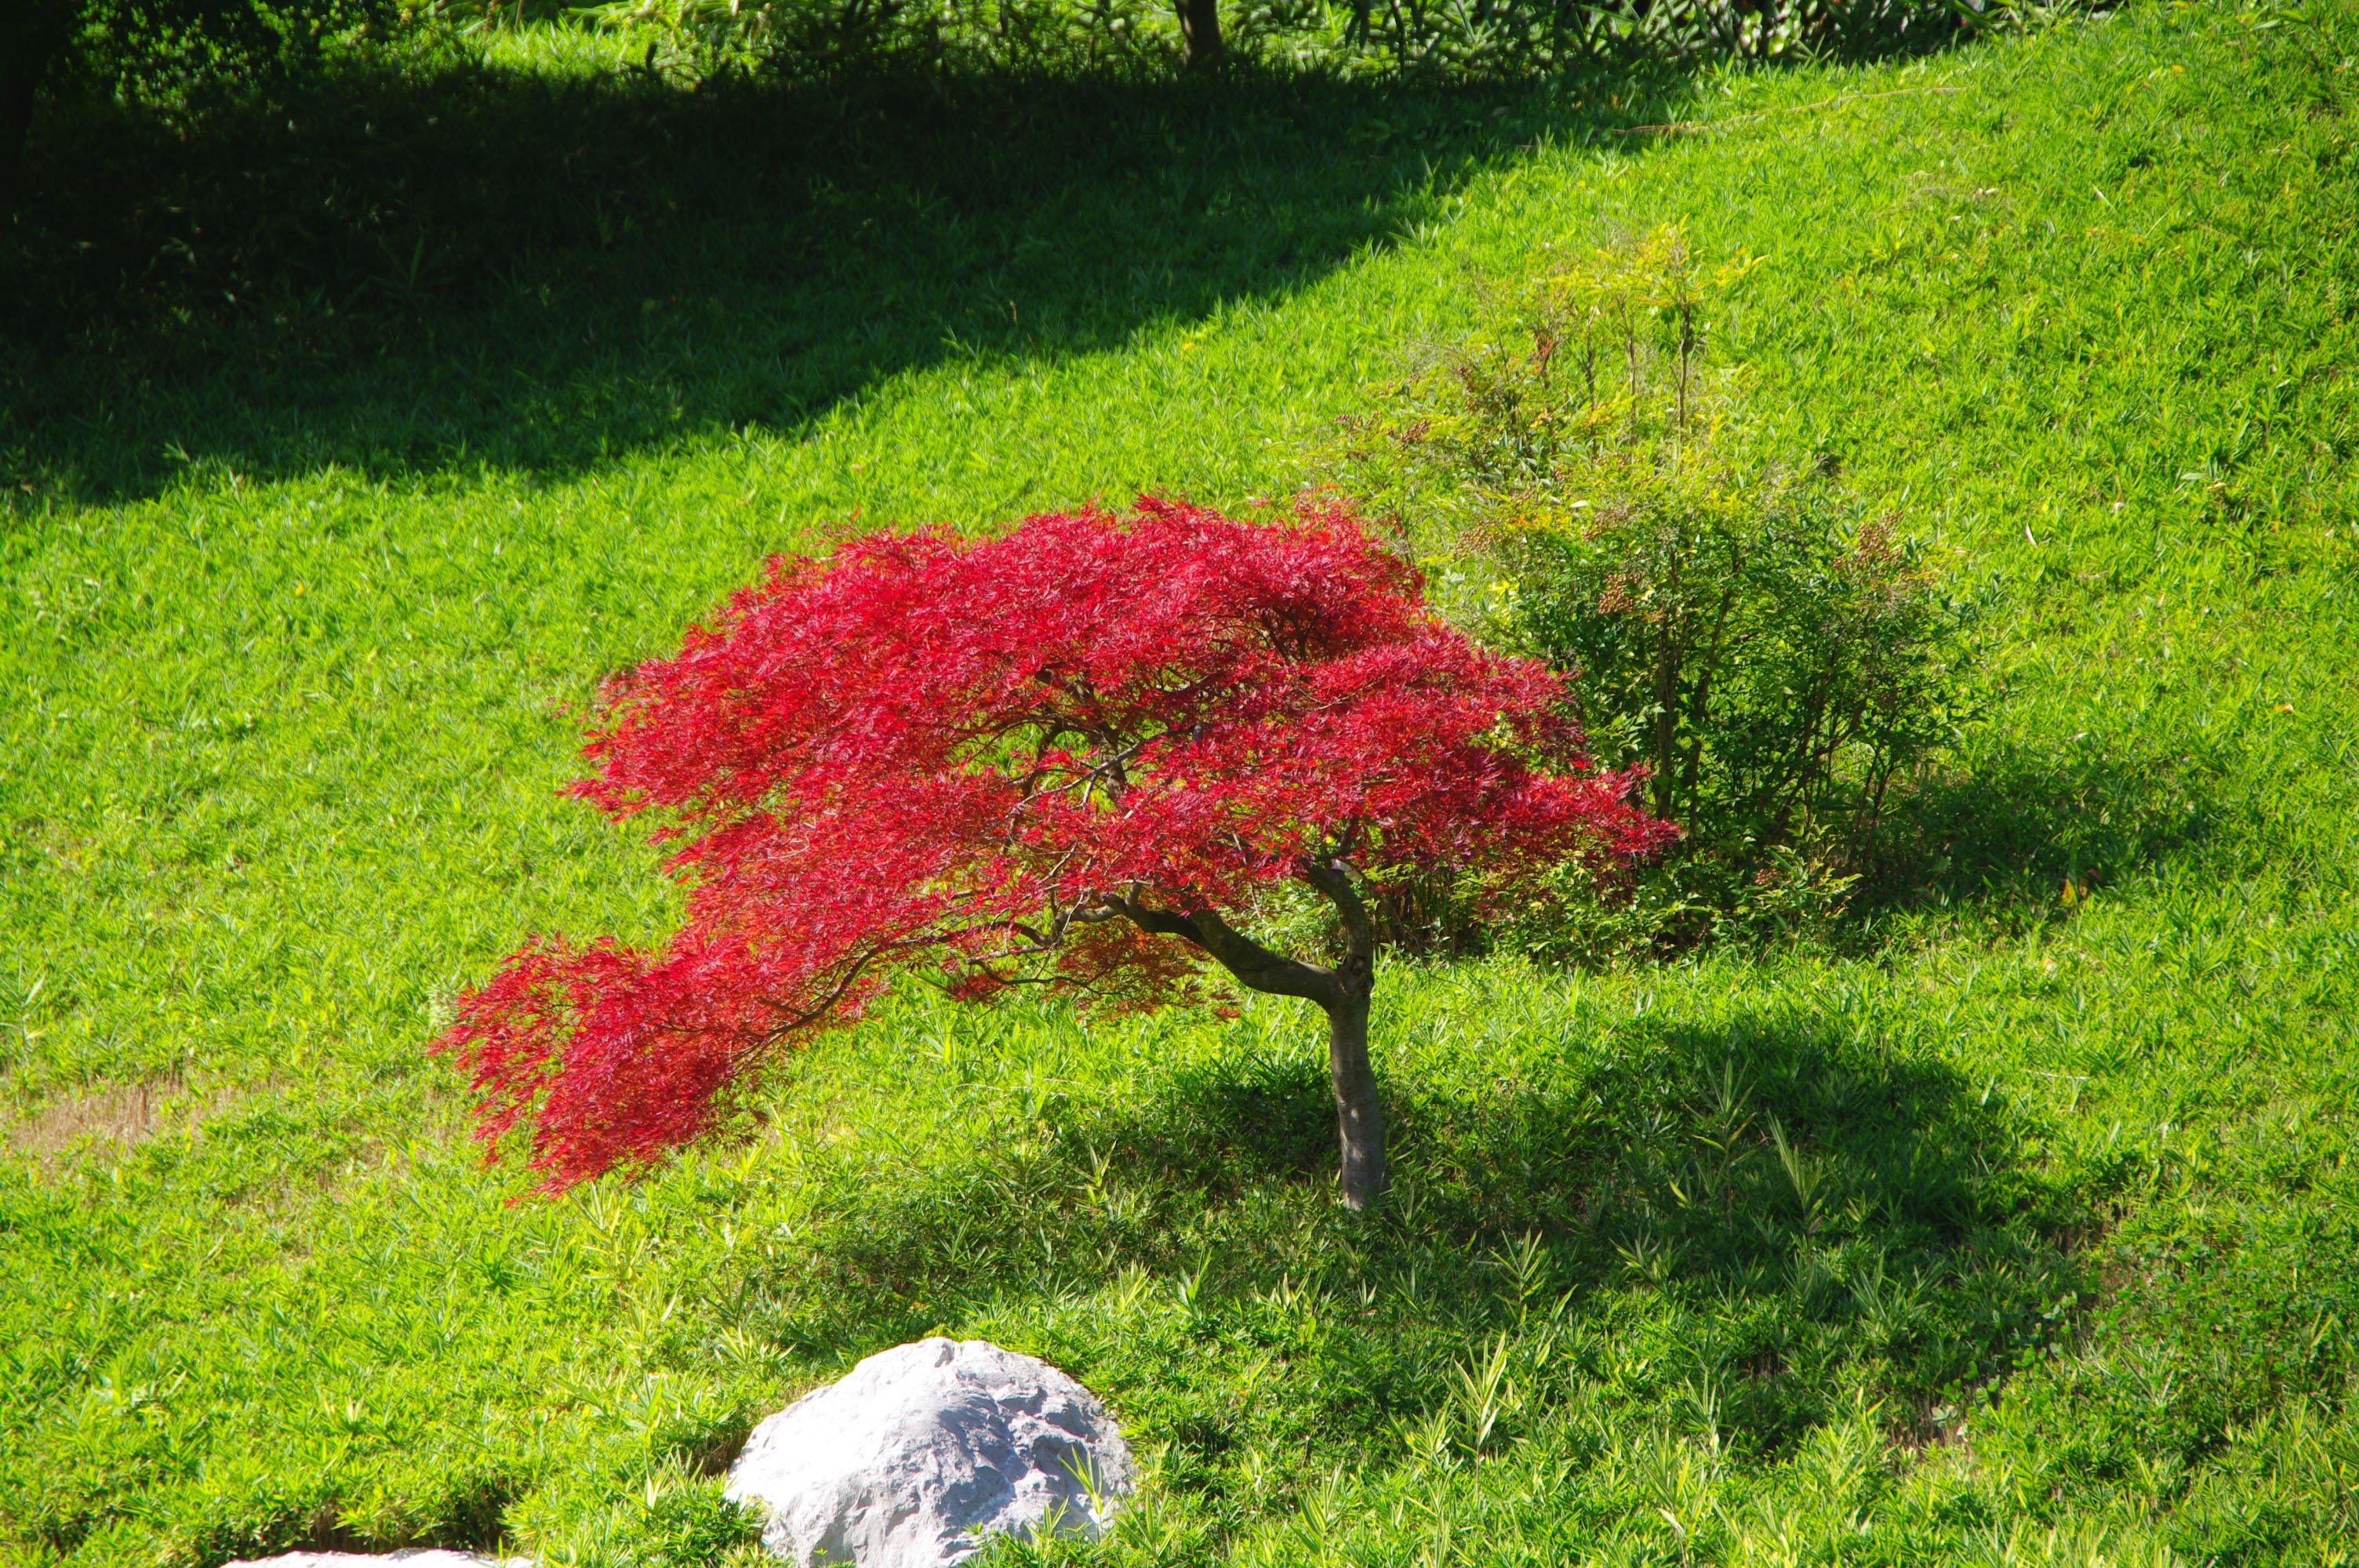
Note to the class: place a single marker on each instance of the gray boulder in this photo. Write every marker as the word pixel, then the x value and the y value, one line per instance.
pixel 922 1451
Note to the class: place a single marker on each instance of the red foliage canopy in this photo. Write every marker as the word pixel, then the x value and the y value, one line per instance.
pixel 1003 757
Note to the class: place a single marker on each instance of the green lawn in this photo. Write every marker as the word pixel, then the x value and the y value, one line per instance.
pixel 2010 1232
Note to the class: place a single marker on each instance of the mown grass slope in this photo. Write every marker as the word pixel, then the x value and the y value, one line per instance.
pixel 2020 1230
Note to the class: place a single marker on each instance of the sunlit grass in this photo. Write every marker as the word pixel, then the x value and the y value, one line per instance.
pixel 2028 1235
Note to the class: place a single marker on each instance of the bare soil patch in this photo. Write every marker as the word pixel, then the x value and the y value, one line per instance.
pixel 116 1118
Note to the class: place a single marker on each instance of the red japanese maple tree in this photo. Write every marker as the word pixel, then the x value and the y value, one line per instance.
pixel 1068 755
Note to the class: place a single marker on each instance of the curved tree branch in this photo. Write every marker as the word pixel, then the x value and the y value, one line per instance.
pixel 1255 966
pixel 1333 879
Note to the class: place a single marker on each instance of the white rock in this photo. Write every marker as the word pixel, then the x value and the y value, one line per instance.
pixel 922 1451
pixel 416 1557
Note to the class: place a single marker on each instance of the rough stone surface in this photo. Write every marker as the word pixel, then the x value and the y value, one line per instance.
pixel 418 1557
pixel 923 1450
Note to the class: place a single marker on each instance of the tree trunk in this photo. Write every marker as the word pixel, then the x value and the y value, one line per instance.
pixel 1344 992
pixel 1667 719
pixel 1200 31
pixel 1359 1113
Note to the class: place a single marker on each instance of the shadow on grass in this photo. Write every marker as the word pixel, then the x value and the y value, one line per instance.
pixel 2008 833
pixel 404 273
pixel 1784 1215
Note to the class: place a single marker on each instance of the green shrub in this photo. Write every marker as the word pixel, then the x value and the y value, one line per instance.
pixel 159 51
pixel 1777 655
pixel 692 41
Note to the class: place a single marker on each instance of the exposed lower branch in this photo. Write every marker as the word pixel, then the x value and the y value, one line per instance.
pixel 793 1017
pixel 1255 966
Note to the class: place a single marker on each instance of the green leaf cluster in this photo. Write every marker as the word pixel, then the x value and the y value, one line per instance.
pixel 1777 657
pixel 163 52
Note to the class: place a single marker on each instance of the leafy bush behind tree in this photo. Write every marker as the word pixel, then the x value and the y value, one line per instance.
pixel 174 53
pixel 1780 656
pixel 169 53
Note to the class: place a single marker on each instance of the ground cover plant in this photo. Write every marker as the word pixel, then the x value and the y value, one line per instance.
pixel 2024 1234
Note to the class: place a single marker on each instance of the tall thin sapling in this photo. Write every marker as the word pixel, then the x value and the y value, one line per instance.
pixel 1066 756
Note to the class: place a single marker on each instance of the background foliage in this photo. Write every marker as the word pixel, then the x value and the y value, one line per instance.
pixel 178 56
pixel 697 39
pixel 162 51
